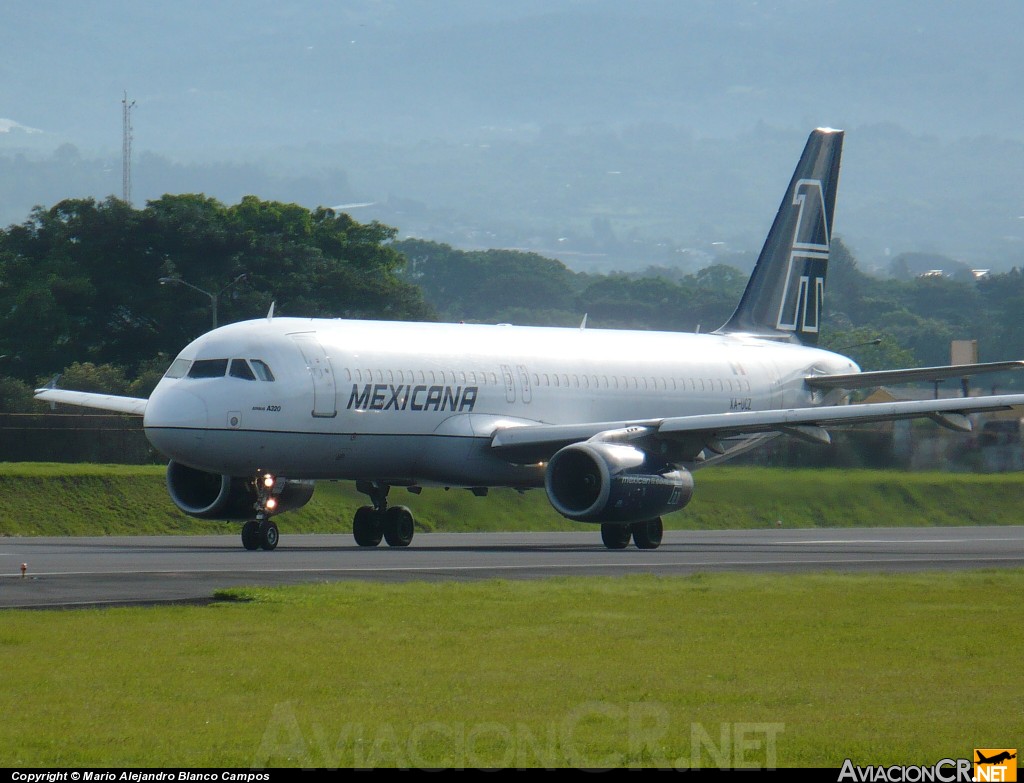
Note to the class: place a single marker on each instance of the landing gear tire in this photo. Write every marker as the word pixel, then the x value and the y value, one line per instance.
pixel 398 526
pixel 268 536
pixel 616 536
pixel 251 535
pixel 367 526
pixel 647 535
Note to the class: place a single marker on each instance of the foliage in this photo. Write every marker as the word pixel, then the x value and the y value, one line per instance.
pixel 913 321
pixel 84 274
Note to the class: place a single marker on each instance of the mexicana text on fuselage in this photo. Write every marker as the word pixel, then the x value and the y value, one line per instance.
pixel 387 397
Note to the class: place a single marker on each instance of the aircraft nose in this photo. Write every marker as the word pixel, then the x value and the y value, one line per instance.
pixel 173 407
pixel 175 418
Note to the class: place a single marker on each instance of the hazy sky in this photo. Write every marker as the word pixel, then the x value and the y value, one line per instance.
pixel 241 79
pixel 235 73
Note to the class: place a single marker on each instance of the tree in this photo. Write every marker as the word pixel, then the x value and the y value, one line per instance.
pixel 84 274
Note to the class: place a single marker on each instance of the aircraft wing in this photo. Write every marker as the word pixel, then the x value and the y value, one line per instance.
pixel 104 402
pixel 707 430
pixel 863 380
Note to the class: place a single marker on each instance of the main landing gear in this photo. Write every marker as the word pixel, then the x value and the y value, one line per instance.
pixel 394 524
pixel 646 535
pixel 261 533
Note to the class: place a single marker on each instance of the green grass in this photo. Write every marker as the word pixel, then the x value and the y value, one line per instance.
pixel 882 669
pixel 65 499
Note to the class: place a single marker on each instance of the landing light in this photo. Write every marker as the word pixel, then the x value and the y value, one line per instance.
pixel 268 481
pixel 271 504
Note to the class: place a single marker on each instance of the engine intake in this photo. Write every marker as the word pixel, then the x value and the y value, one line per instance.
pixel 214 496
pixel 613 482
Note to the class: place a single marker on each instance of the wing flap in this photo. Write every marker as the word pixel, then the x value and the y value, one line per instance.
pixel 105 402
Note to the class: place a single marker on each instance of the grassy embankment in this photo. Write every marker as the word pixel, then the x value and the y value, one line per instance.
pixel 719 669
pixel 55 499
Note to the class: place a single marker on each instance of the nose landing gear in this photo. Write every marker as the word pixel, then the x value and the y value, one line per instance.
pixel 261 533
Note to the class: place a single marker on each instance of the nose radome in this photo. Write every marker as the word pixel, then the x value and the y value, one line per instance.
pixel 175 407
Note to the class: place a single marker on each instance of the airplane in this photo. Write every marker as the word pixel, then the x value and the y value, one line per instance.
pixel 611 423
pixel 999 758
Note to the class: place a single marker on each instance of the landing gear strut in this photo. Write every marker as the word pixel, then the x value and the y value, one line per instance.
pixel 395 524
pixel 261 533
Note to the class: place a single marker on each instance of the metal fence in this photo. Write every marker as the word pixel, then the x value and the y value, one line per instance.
pixel 74 437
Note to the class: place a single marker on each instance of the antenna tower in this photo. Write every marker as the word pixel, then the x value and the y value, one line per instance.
pixel 126 149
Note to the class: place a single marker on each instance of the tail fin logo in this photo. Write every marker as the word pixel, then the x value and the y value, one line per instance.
pixel 804 293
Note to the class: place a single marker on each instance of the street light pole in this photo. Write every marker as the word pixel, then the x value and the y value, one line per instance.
pixel 213 297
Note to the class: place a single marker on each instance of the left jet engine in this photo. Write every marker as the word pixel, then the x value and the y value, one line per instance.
pixel 214 496
pixel 613 482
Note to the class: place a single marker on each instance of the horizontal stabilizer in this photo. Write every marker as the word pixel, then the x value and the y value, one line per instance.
pixel 864 380
pixel 104 402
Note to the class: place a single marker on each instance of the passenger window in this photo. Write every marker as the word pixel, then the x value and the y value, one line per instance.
pixel 208 368
pixel 178 368
pixel 262 370
pixel 240 369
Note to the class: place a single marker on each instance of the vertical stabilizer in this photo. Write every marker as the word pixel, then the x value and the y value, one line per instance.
pixel 784 295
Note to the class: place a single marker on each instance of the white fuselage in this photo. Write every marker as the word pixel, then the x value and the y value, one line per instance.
pixel 415 403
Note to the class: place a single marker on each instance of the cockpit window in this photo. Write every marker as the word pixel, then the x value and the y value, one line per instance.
pixel 240 369
pixel 178 368
pixel 262 370
pixel 208 368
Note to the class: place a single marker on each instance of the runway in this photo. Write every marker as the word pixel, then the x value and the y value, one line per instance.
pixel 79 572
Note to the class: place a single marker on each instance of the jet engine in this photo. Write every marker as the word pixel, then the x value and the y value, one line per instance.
pixel 614 482
pixel 213 496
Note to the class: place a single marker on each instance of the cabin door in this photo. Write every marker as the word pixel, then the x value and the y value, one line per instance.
pixel 321 373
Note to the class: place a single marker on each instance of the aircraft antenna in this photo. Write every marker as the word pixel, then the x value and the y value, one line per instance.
pixel 126 148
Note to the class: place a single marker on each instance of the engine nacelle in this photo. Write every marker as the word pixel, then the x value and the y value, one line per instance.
pixel 213 496
pixel 614 482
